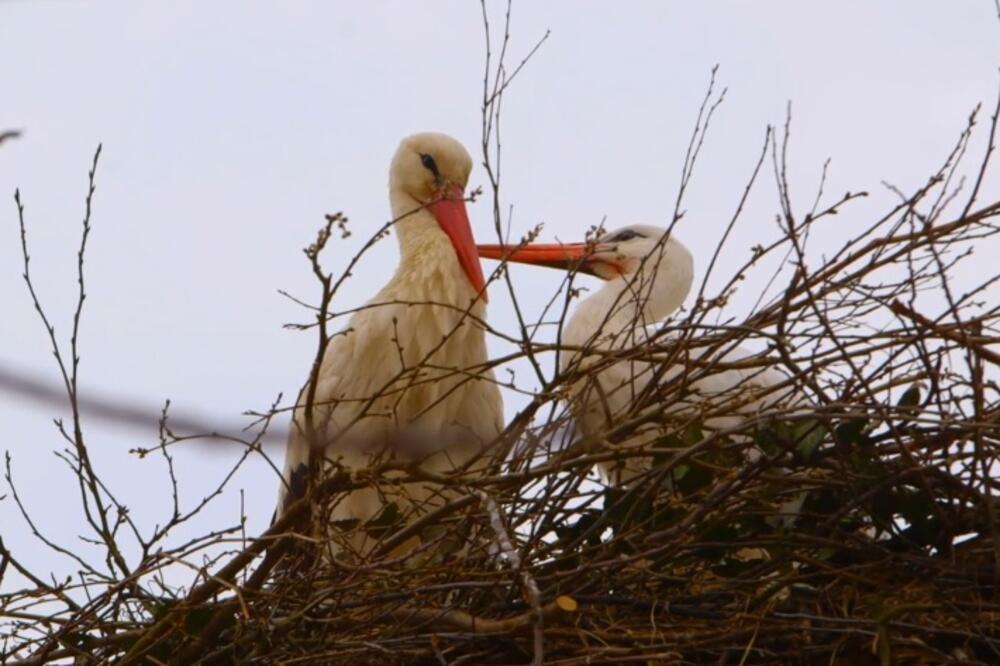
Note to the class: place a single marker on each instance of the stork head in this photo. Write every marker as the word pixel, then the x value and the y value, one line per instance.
pixel 430 170
pixel 640 254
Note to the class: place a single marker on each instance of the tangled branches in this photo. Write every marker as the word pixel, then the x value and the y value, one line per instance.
pixel 853 518
pixel 857 521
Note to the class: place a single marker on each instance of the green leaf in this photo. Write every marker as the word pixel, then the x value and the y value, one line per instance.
pixel 680 472
pixel 809 434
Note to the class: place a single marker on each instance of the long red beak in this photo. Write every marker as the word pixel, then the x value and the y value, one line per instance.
pixel 449 211
pixel 564 256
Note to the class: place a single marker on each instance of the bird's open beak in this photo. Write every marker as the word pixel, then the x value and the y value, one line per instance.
pixel 448 208
pixel 564 256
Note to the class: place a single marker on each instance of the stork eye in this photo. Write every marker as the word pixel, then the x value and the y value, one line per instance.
pixel 624 235
pixel 429 163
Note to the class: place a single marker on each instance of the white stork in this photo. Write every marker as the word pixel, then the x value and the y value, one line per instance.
pixel 405 378
pixel 648 275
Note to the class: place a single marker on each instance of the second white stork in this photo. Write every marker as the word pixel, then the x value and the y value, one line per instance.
pixel 648 274
pixel 406 377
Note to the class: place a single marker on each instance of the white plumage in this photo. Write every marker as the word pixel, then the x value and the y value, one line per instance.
pixel 407 380
pixel 648 276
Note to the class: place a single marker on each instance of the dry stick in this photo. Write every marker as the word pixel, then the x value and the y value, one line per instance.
pixel 8 476
pixel 313 252
pixel 491 105
pixel 222 616
pixel 291 517
pixel 825 323
pixel 90 485
pixel 768 136
pixel 479 625
pixel 528 584
pixel 86 612
pixel 8 558
pixel 704 118
pixel 945 331
pixel 323 316
pixel 430 518
pixel 110 641
pixel 696 141
pixel 990 147
pixel 651 386
pixel 824 279
pixel 975 362
pixel 7 135
pixel 88 477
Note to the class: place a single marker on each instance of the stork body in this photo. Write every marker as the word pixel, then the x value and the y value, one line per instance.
pixel 648 276
pixel 405 379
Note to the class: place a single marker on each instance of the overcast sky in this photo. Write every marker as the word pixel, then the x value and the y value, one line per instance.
pixel 230 128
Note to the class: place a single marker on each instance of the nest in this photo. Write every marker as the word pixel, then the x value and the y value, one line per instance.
pixel 855 525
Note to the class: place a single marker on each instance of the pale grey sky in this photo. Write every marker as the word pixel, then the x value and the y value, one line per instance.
pixel 230 128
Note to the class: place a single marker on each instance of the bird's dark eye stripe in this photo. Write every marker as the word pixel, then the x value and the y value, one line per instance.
pixel 624 235
pixel 429 163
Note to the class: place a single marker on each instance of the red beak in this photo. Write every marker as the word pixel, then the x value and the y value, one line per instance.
pixel 564 256
pixel 449 211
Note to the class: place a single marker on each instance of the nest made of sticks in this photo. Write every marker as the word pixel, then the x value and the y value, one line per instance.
pixel 857 525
